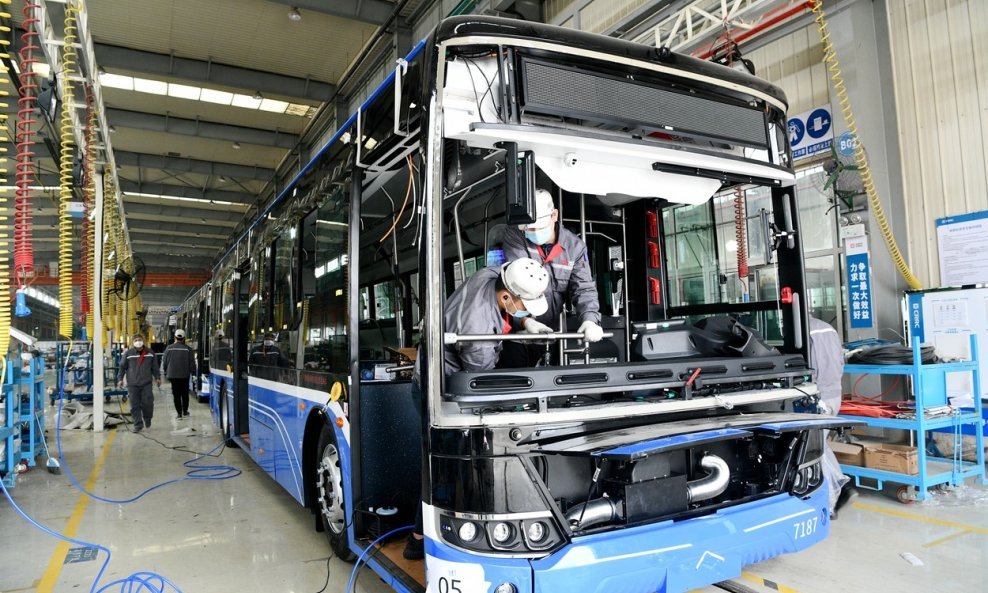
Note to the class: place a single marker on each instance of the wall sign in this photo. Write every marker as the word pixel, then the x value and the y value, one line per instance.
pixel 962 241
pixel 861 311
pixel 811 132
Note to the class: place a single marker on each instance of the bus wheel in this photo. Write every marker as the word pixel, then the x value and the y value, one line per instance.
pixel 332 507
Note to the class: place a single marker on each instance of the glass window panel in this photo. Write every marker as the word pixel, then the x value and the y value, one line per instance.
pixel 815 209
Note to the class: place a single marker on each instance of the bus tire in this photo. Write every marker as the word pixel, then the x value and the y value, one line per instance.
pixel 330 504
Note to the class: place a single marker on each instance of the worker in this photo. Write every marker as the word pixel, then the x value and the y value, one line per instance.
pixel 138 368
pixel 827 361
pixel 484 304
pixel 565 257
pixel 178 364
pixel 268 354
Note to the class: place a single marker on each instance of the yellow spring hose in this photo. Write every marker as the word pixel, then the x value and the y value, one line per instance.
pixel 90 199
pixel 65 177
pixel 108 247
pixel 5 247
pixel 830 58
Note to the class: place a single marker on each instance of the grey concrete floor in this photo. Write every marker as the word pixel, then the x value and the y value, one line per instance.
pixel 247 534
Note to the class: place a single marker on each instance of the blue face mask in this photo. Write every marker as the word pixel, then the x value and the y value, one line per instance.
pixel 519 313
pixel 540 236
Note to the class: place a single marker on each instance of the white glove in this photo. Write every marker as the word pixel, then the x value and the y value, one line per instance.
pixel 535 327
pixel 591 331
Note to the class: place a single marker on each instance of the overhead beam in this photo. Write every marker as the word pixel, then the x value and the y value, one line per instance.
pixel 226 218
pixel 200 129
pixel 220 238
pixel 366 11
pixel 182 191
pixel 206 241
pixel 124 58
pixel 168 227
pixel 176 246
pixel 188 165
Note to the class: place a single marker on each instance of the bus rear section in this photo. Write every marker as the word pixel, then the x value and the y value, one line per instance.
pixel 666 456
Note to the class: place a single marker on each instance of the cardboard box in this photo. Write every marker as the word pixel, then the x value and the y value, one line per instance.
pixel 848 453
pixel 900 459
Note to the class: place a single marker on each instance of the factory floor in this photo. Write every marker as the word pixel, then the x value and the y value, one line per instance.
pixel 247 534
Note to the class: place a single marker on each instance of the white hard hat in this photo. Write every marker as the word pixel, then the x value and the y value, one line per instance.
pixel 527 279
pixel 543 211
pixel 179 333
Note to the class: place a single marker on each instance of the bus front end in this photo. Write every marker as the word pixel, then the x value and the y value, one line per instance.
pixel 666 456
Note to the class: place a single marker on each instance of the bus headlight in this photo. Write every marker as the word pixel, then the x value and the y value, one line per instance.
pixel 808 478
pixel 536 531
pixel 501 533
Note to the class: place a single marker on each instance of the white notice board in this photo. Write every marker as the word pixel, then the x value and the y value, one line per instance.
pixel 962 242
pixel 946 318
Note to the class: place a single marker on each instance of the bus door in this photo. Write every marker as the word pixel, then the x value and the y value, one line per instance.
pixel 240 407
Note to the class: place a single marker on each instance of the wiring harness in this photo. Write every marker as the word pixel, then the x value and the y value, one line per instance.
pixel 896 354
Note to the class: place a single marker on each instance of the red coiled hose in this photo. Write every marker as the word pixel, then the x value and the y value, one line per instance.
pixel 23 249
pixel 740 226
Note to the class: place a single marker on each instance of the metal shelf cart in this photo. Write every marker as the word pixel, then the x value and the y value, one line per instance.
pixel 929 384
pixel 80 372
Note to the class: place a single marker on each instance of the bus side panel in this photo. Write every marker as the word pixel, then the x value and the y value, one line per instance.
pixel 219 383
pixel 674 557
pixel 277 425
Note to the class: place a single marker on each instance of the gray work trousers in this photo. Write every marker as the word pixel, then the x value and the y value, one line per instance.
pixel 141 404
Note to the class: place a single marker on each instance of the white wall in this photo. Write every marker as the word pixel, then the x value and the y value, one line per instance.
pixel 940 64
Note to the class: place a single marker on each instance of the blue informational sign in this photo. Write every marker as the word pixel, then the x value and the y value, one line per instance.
pixel 861 312
pixel 811 132
pixel 916 328
pixel 847 143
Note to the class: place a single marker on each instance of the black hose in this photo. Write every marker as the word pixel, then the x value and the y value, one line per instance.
pixel 734 587
pixel 894 355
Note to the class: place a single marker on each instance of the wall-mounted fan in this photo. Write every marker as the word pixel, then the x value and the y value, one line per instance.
pixel 128 279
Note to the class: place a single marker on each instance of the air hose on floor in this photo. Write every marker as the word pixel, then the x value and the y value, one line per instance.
pixel 837 78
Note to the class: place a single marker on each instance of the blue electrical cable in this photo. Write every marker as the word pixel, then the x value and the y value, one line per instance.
pixel 144 581
pixel 196 472
pixel 356 565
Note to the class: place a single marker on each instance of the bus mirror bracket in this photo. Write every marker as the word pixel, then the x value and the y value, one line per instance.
pixel 519 185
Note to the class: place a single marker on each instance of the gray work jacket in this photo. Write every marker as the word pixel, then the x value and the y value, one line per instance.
pixel 179 362
pixel 472 309
pixel 827 360
pixel 138 366
pixel 569 273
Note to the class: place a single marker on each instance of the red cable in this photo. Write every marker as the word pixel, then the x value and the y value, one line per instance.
pixel 872 398
pixel 23 250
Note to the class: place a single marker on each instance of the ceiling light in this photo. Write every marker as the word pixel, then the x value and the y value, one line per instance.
pixel 112 129
pixel 100 70
pixel 222 179
pixel 258 96
pixel 294 15
pixel 236 146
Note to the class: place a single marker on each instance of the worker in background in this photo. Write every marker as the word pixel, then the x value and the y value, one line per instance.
pixel 178 364
pixel 268 354
pixel 565 257
pixel 827 360
pixel 138 368
pixel 485 304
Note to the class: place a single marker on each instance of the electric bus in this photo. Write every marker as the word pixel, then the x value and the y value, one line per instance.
pixel 664 457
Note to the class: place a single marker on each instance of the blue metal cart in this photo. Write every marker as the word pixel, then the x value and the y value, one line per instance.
pixel 929 384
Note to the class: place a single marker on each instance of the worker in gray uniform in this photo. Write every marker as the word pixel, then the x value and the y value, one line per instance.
pixel 565 257
pixel 485 304
pixel 179 364
pixel 827 360
pixel 138 368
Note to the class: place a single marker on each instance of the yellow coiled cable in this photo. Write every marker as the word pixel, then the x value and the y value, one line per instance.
pixel 90 199
pixel 837 78
pixel 65 177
